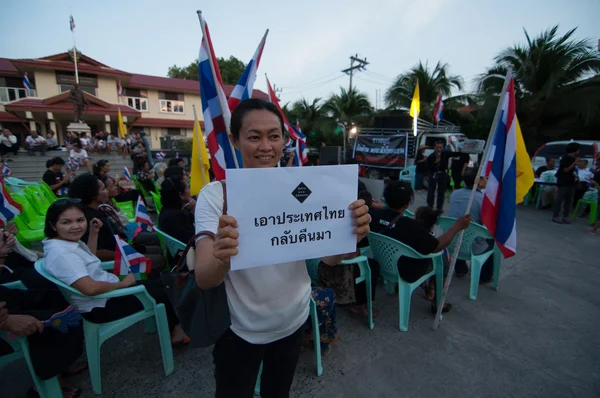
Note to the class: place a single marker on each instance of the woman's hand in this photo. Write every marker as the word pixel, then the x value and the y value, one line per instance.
pixel 23 325
pixel 226 241
pixel 95 225
pixel 7 243
pixel 361 219
pixel 11 227
pixel 128 281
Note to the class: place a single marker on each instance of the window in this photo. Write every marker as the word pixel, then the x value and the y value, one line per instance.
pixel 173 132
pixel 87 89
pixel 557 151
pixel 170 102
pixel 141 104
pixel 8 94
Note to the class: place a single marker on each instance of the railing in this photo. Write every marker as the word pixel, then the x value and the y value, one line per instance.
pixel 8 94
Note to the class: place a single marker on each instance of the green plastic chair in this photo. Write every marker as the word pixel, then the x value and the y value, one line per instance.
pixel 593 209
pixel 48 193
pixel 466 252
pixel 157 202
pixel 36 197
pixel 18 182
pixel 29 216
pixel 169 245
pixel 46 388
pixel 387 251
pixel 315 325
pixel 408 174
pixel 362 261
pixel 127 208
pixel 27 236
pixel 154 315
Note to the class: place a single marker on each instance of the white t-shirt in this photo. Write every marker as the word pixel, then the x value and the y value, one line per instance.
pixel 8 141
pixel 266 303
pixel 78 155
pixel 39 140
pixel 584 174
pixel 69 262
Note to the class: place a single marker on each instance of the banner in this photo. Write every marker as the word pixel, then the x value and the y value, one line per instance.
pixel 380 150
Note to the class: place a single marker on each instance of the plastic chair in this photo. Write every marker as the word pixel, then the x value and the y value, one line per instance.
pixel 169 244
pixel 466 252
pixel 29 216
pixel 593 209
pixel 127 209
pixel 154 315
pixel 50 196
pixel 157 202
pixel 315 325
pixel 312 266
pixel 387 251
pixel 408 174
pixel 25 235
pixel 46 388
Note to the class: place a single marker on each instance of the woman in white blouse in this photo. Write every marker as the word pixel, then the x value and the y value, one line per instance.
pixel 75 263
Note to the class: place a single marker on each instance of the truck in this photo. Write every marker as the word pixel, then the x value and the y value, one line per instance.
pixel 390 146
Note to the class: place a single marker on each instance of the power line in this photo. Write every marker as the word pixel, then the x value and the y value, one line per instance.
pixel 350 71
pixel 380 76
pixel 387 84
pixel 310 83
pixel 300 90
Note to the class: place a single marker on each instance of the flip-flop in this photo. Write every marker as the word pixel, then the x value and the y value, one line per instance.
pixel 185 341
pixel 84 366
pixel 566 221
pixel 557 222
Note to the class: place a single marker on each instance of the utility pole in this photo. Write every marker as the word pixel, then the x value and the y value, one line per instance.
pixel 277 90
pixel 361 63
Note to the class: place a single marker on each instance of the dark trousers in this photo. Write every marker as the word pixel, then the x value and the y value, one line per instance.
pixel 120 307
pixel 237 363
pixel 360 289
pixel 419 175
pixel 564 198
pixel 6 149
pixel 487 271
pixel 29 276
pixel 457 178
pixel 440 181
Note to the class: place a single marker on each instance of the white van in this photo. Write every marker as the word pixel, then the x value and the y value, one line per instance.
pixel 558 149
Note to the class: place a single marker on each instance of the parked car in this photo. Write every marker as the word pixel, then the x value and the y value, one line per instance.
pixel 557 149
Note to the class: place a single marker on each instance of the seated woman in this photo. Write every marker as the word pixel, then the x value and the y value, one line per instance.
pixel 93 193
pixel 328 332
pixel 75 263
pixel 53 353
pixel 17 263
pixel 391 222
pixel 159 172
pixel 145 174
pixel 54 177
pixel 102 168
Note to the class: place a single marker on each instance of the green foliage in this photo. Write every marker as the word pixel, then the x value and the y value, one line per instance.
pixel 231 70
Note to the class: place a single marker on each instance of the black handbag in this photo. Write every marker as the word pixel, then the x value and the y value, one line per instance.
pixel 203 314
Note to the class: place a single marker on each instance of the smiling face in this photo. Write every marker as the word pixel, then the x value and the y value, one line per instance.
pixel 260 140
pixel 71 225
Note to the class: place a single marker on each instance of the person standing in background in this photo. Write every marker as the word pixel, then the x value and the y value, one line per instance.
pixel 565 181
pixel 8 143
pixel 421 168
pixel 458 167
pixel 437 164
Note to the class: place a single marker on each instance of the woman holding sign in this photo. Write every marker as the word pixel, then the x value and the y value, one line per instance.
pixel 268 305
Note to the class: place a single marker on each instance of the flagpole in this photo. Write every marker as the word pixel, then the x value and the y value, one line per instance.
pixel 223 105
pixel 199 136
pixel 74 51
pixel 503 94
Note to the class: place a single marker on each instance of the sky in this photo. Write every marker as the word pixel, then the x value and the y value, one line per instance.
pixel 309 42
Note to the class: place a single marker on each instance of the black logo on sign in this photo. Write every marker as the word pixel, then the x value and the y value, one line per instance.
pixel 301 192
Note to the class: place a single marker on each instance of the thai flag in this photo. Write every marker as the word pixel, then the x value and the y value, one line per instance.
pixel 288 143
pixel 499 208
pixel 160 156
pixel 73 164
pixel 244 86
pixel 72 23
pixel 6 170
pixel 119 88
pixel 177 155
pixel 439 108
pixel 296 135
pixel 142 218
pixel 127 260
pixel 26 82
pixel 127 173
pixel 62 191
pixel 215 110
pixel 9 209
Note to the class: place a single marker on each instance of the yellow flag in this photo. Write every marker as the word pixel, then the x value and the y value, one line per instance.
pixel 415 105
pixel 200 164
pixel 525 177
pixel 122 128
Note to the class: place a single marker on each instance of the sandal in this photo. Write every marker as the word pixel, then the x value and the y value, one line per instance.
pixel 557 221
pixel 565 221
pixel 446 309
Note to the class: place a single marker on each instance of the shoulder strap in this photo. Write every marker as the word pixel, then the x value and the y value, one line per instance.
pixel 391 223
pixel 192 241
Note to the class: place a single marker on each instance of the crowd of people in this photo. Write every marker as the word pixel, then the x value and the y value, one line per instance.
pixel 268 305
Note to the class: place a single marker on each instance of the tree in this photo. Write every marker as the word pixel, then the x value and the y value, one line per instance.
pixel 231 70
pixel 348 106
pixel 400 94
pixel 309 113
pixel 552 78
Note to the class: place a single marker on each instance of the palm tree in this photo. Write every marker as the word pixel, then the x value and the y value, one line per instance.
pixel 547 72
pixel 347 106
pixel 309 113
pixel 400 94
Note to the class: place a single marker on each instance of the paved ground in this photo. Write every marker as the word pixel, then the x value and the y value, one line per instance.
pixel 537 336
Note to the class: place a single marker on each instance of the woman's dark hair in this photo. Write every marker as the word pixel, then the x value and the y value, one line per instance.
pixel 366 196
pixel 573 147
pixel 251 104
pixel 54 161
pixel 140 162
pixel 398 194
pixel 77 143
pixel 175 161
pixel 97 168
pixel 170 189
pixel 470 177
pixel 84 187
pixel 427 217
pixel 173 172
pixel 52 216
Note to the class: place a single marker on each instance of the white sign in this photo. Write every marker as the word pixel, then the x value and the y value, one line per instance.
pixel 287 214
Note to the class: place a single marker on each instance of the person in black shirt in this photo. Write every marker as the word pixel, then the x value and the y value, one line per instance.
pixel 56 180
pixel 177 215
pixel 458 166
pixel 421 168
pixel 550 164
pixel 565 180
pixel 392 222
pixel 437 164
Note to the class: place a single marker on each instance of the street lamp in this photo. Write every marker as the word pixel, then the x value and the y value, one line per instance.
pixel 353 131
